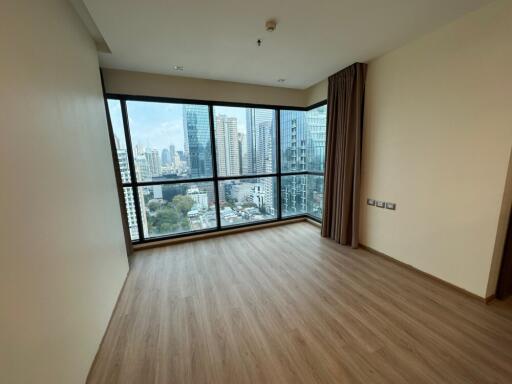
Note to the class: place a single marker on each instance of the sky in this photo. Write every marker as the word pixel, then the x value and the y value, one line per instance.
pixel 156 125
pixel 114 108
pixel 159 125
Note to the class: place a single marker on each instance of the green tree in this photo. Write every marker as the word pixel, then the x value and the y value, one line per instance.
pixel 183 204
pixel 154 205
pixel 166 219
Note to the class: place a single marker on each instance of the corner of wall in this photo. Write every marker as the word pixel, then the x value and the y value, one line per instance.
pixel 501 232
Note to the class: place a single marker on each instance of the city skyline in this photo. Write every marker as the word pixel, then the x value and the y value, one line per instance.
pixel 163 122
pixel 245 142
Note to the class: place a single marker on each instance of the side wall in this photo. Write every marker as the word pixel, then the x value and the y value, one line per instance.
pixel 437 142
pixel 62 253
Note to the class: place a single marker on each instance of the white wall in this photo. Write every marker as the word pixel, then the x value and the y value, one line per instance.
pixel 437 141
pixel 62 254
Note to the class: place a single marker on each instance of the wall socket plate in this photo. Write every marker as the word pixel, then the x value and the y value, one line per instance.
pixel 381 204
pixel 391 206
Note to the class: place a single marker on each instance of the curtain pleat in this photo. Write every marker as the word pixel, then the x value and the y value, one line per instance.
pixel 343 155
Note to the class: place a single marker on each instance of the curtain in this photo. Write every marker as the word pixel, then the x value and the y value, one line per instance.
pixel 345 103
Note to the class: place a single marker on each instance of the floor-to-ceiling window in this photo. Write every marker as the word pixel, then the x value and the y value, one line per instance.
pixel 189 168
pixel 302 161
pixel 245 145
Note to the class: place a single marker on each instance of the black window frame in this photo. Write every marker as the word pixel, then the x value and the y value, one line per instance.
pixel 134 184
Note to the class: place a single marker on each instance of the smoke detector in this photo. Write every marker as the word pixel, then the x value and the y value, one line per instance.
pixel 270 25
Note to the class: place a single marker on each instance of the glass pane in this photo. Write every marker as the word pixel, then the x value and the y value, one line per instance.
pixel 303 140
pixel 315 195
pixel 293 195
pixel 116 117
pixel 170 141
pixel 177 208
pixel 293 141
pixel 247 200
pixel 316 123
pixel 131 213
pixel 245 141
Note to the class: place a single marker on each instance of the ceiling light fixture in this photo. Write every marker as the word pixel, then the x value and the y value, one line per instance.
pixel 178 67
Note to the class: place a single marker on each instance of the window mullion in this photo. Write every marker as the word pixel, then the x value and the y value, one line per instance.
pixel 133 173
pixel 278 163
pixel 214 165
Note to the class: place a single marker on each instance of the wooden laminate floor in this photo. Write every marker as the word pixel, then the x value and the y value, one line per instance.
pixel 283 305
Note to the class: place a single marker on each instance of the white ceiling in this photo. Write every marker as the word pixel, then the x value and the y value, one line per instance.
pixel 216 39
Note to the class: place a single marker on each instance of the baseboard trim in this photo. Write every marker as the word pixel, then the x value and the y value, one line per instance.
pixel 210 235
pixel 315 223
pixel 485 300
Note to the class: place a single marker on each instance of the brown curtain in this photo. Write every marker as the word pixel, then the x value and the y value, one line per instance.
pixel 345 103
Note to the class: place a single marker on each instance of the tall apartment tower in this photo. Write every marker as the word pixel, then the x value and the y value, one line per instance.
pixel 165 157
pixel 153 160
pixel 261 152
pixel 228 160
pixel 172 154
pixel 294 149
pixel 255 158
pixel 196 127
pixel 242 153
pixel 316 121
pixel 124 169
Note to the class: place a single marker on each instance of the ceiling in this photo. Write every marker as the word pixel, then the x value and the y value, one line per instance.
pixel 216 39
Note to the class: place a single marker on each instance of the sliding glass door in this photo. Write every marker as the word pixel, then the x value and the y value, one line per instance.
pixel 196 167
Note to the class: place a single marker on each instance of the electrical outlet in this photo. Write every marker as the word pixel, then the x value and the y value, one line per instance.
pixel 370 202
pixel 380 204
pixel 391 206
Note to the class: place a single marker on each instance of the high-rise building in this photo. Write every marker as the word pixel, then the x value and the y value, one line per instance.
pixel 166 157
pixel 122 158
pixel 303 149
pixel 316 127
pixel 293 159
pixel 265 163
pixel 131 213
pixel 228 161
pixel 200 198
pixel 261 152
pixel 258 161
pixel 294 194
pixel 242 153
pixel 139 149
pixel 153 159
pixel 142 169
pixel 197 145
pixel 172 153
pixel 124 169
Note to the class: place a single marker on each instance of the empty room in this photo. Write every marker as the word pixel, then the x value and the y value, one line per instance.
pixel 287 191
